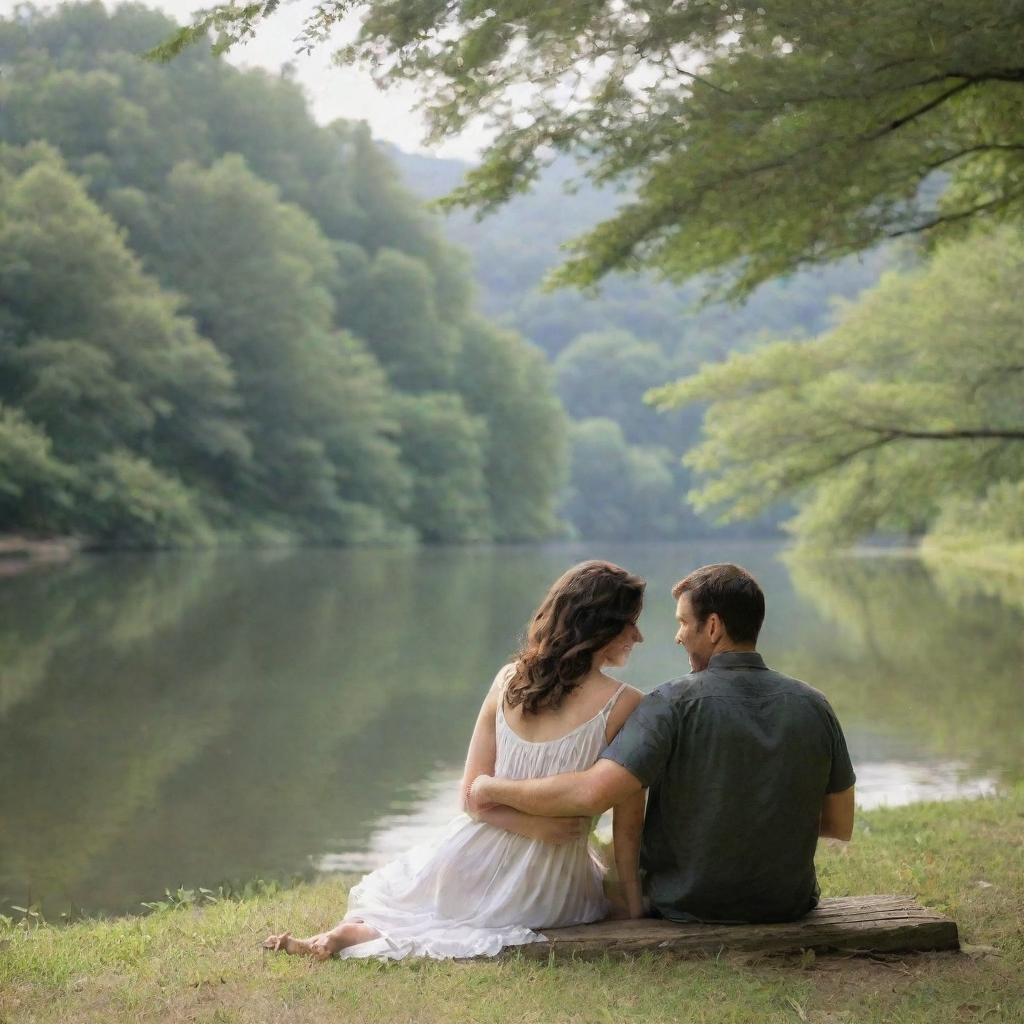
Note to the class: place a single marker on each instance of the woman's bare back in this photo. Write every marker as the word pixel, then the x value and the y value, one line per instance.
pixel 581 706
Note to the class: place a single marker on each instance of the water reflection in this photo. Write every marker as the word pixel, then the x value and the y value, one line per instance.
pixel 891 783
pixel 421 817
pixel 191 719
pixel 928 661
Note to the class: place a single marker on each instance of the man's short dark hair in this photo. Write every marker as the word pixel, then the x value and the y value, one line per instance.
pixel 732 593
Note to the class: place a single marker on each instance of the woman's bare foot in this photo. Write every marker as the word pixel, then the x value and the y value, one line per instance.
pixel 324 945
pixel 287 943
pixel 348 933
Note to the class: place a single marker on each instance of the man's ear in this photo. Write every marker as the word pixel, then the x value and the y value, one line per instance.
pixel 715 627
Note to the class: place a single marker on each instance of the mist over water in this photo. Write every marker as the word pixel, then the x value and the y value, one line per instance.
pixel 191 719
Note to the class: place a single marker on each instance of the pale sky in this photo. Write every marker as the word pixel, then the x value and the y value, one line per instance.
pixel 332 91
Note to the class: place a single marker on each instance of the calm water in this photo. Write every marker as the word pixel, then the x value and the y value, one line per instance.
pixel 190 720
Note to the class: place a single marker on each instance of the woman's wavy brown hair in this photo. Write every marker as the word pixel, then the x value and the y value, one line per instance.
pixel 585 609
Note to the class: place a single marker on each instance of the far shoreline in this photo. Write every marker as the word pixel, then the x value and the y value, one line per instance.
pixel 19 553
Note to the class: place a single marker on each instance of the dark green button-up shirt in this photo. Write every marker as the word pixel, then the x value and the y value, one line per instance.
pixel 737 760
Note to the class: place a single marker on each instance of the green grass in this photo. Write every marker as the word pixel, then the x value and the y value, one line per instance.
pixel 965 858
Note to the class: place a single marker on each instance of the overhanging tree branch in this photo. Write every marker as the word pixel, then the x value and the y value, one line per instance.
pixel 920 111
pixel 986 147
pixel 962 434
pixel 950 218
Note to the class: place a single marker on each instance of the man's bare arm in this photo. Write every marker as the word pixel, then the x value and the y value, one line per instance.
pixel 627 828
pixel 575 793
pixel 837 815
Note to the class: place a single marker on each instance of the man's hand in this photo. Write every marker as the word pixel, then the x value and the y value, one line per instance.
pixel 477 799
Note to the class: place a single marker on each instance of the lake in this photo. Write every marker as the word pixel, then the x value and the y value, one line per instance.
pixel 191 719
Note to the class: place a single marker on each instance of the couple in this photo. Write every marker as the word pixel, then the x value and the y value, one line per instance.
pixel 744 769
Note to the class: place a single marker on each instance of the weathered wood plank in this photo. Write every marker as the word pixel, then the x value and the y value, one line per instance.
pixel 876 923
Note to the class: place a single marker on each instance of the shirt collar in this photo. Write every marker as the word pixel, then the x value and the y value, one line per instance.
pixel 737 659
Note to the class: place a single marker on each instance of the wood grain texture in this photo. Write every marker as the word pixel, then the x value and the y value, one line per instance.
pixel 869 924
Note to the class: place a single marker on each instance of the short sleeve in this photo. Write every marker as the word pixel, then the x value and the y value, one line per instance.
pixel 644 743
pixel 841 774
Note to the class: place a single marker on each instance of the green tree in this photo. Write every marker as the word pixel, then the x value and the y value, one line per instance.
pixel 914 399
pixel 607 373
pixel 312 292
pixel 94 353
pixel 444 446
pixel 258 278
pixel 74 389
pixel 506 382
pixel 128 502
pixel 756 136
pixel 618 490
pixel 93 344
pixel 398 316
pixel 386 215
pixel 36 489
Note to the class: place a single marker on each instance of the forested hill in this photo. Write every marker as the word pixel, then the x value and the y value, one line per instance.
pixel 219 320
pixel 222 322
pixel 517 245
pixel 609 348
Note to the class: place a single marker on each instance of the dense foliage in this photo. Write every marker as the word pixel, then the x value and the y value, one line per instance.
pixel 793 134
pixel 313 365
pixel 611 345
pixel 759 137
pixel 517 247
pixel 907 414
pixel 219 320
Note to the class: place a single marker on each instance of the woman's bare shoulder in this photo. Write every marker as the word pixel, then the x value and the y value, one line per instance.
pixel 632 694
pixel 612 686
pixel 624 707
pixel 501 680
pixel 629 699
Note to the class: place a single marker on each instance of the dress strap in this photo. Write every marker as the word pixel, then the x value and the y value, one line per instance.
pixel 509 673
pixel 607 709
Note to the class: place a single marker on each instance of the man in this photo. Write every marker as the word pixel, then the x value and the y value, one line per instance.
pixel 745 769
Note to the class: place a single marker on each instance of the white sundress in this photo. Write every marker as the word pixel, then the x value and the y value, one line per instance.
pixel 480 888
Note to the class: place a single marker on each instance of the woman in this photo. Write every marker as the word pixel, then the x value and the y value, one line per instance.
pixel 495 880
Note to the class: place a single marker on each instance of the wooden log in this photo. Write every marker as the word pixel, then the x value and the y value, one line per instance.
pixel 864 924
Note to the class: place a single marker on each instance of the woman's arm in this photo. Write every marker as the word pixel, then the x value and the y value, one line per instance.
pixel 483 745
pixel 480 760
pixel 558 831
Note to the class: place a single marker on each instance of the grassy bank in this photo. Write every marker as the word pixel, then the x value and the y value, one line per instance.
pixel 964 858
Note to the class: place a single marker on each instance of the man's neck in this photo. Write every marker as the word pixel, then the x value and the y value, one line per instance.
pixel 735 649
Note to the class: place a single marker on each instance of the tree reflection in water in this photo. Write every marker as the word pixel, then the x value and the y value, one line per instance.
pixel 936 658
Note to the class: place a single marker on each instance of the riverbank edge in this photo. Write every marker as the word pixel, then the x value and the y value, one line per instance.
pixel 19 552
pixel 16 547
pixel 963 858
pixel 1004 559
pixel 999 559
